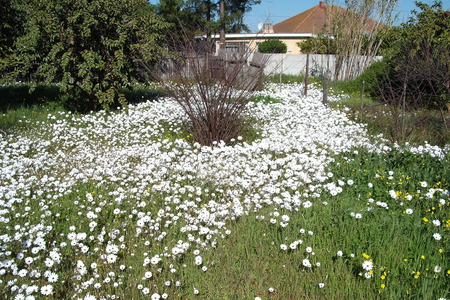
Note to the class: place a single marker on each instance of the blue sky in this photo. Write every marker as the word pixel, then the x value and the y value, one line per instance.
pixel 275 11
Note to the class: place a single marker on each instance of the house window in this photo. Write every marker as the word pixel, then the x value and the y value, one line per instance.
pixel 236 46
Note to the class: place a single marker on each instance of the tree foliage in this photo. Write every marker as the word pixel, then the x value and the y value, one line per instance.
pixel 418 59
pixel 318 45
pixel 10 26
pixel 272 46
pixel 91 48
pixel 202 16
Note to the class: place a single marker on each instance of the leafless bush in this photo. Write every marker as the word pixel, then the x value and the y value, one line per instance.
pixel 213 90
pixel 410 92
pixel 356 33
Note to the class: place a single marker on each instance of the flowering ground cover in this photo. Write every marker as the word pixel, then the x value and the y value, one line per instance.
pixel 124 205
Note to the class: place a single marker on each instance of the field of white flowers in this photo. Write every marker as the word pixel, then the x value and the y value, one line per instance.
pixel 124 205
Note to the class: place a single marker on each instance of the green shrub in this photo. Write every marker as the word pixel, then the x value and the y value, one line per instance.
pixel 372 77
pixel 272 46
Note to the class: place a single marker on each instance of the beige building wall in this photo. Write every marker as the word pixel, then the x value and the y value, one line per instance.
pixel 252 44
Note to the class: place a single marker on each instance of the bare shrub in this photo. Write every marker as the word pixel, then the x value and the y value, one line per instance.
pixel 356 33
pixel 213 90
pixel 408 98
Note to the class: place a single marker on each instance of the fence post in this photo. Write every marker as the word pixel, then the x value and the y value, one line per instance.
pixel 362 95
pixel 306 75
pixel 325 87
pixel 404 111
pixel 282 67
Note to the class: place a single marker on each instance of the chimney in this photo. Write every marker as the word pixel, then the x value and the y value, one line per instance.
pixel 322 4
pixel 267 28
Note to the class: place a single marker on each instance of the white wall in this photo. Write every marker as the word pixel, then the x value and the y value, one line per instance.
pixel 295 64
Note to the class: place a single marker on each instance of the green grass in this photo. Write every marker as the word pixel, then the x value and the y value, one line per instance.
pixel 266 99
pixel 285 78
pixel 26 117
pixel 417 126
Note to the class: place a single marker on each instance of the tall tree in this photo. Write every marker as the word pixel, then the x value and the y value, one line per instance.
pixel 90 47
pixel 203 16
pixel 236 12
pixel 10 26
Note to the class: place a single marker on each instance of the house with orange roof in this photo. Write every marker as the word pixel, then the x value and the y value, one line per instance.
pixel 291 31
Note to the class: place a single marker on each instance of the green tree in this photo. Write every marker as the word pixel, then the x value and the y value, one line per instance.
pixel 91 48
pixel 236 12
pixel 202 16
pixel 272 46
pixel 10 26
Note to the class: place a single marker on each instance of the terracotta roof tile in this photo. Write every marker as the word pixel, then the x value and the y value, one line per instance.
pixel 311 21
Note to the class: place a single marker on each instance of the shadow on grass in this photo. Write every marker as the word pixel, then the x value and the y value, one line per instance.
pixel 23 104
pixel 22 95
pixel 26 95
